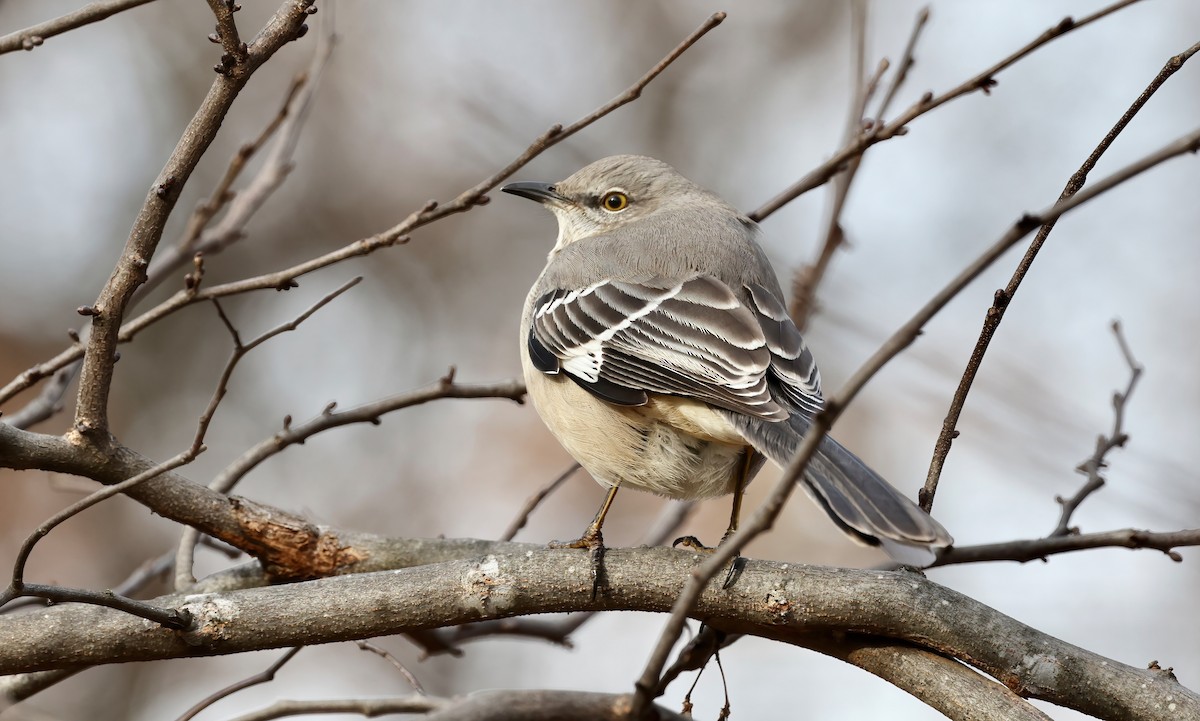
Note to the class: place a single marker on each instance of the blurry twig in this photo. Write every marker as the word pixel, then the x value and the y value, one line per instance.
pixel 387 656
pixel 264 676
pixel 879 132
pixel 1003 297
pixel 764 517
pixel 534 501
pixel 33 36
pixel 807 277
pixel 1115 439
pixel 906 62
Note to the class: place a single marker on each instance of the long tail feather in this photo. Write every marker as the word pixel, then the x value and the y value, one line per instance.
pixel 858 500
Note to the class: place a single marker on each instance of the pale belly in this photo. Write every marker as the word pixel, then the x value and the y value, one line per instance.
pixel 687 452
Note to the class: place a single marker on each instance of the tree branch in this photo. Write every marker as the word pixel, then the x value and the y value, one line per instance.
pixel 1038 549
pixel 95 380
pixel 33 36
pixel 786 602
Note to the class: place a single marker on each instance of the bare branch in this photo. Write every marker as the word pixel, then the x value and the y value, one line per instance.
pixel 386 655
pixel 807 277
pixel 995 314
pixel 265 676
pixel 984 81
pixel 91 413
pixel 793 603
pixel 33 36
pixel 1116 439
pixel 906 63
pixel 1038 549
pixel 764 517
pixel 227 35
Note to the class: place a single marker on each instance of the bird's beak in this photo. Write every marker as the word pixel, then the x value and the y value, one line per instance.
pixel 541 192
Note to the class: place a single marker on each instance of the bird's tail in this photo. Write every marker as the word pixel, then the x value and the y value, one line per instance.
pixel 858 500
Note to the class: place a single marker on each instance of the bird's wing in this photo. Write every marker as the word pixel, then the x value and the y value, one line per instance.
pixel 694 338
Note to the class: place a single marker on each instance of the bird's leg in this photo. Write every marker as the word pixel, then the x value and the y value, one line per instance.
pixel 741 480
pixel 593 540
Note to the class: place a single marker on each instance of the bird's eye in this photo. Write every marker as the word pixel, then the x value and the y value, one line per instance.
pixel 614 201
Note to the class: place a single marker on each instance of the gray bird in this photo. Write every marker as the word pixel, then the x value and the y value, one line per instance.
pixel 657 348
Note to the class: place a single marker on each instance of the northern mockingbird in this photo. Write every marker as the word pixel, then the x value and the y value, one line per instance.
pixel 657 348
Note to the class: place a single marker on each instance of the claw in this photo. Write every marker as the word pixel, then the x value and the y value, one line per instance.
pixel 593 541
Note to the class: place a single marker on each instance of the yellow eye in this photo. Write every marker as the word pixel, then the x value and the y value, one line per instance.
pixel 615 201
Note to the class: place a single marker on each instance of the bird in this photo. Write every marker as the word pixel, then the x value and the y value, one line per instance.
pixel 657 348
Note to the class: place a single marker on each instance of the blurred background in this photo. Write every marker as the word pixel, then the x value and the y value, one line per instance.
pixel 423 99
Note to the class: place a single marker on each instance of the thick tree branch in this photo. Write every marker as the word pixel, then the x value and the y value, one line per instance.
pixel 781 601
pixel 33 36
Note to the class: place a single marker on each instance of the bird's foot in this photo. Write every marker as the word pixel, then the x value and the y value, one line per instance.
pixel 593 541
pixel 735 565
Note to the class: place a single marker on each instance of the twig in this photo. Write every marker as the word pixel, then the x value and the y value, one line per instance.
pixel 764 517
pixel 284 279
pixel 95 378
pixel 47 403
pixel 984 81
pixel 808 277
pixel 535 500
pixel 227 35
pixel 329 418
pixel 1003 298
pixel 33 36
pixel 1115 439
pixel 906 63
pixel 395 662
pixel 1040 548
pixel 265 676
pixel 174 619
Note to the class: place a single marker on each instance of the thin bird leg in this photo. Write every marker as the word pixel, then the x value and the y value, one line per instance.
pixel 592 538
pixel 740 481
pixel 739 489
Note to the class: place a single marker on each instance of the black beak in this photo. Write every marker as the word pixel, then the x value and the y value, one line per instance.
pixel 541 192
